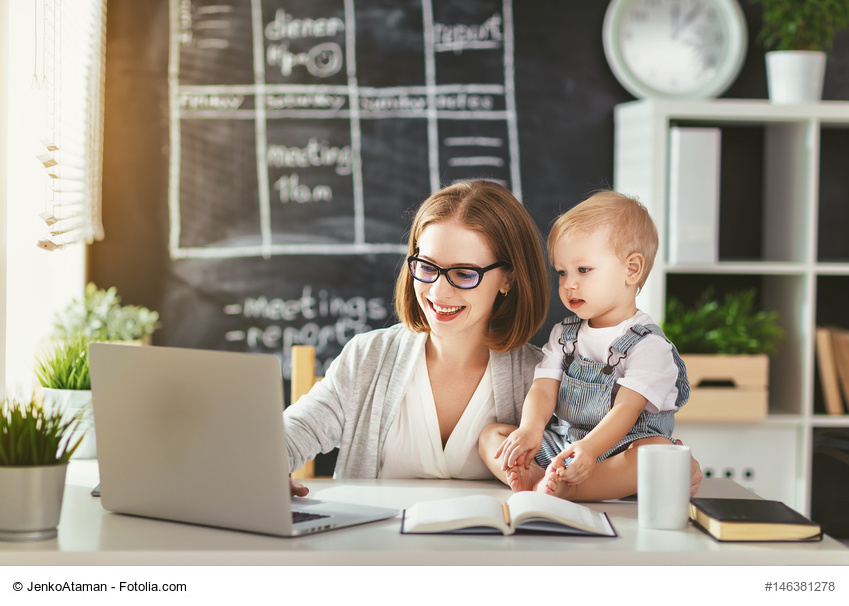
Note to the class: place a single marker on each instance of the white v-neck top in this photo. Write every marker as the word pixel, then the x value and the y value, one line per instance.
pixel 413 447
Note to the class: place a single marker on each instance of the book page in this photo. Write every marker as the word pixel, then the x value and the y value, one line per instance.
pixel 453 514
pixel 531 505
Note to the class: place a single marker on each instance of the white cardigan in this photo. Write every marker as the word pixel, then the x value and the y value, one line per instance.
pixel 354 405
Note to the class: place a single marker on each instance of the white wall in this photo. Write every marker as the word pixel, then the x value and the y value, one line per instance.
pixel 37 283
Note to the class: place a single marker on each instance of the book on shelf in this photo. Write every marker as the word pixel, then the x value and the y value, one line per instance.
pixel 531 512
pixel 752 520
pixel 694 179
pixel 840 344
pixel 832 345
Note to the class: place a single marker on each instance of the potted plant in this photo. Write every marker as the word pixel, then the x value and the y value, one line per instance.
pixel 725 346
pixel 65 377
pixel 100 316
pixel 798 34
pixel 35 446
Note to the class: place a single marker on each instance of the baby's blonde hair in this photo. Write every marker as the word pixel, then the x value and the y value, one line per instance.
pixel 629 226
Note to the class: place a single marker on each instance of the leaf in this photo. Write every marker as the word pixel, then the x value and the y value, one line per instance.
pixel 732 326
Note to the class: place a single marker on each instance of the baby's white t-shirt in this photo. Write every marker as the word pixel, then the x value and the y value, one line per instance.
pixel 649 368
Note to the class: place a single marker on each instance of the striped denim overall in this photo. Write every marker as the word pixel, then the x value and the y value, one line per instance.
pixel 589 388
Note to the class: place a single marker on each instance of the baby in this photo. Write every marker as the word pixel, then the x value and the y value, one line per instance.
pixel 609 375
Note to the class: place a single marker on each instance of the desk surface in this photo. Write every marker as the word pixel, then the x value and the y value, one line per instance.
pixel 89 535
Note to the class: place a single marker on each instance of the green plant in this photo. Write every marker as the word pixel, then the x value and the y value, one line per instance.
pixel 802 24
pixel 732 326
pixel 100 316
pixel 66 365
pixel 30 436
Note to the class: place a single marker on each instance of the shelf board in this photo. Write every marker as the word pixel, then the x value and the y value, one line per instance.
pixel 820 420
pixel 756 111
pixel 740 267
pixel 832 269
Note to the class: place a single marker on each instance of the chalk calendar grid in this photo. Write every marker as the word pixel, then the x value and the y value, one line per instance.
pixel 289 135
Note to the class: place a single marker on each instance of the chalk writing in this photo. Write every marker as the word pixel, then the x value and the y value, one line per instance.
pixel 210 101
pixel 320 113
pixel 286 26
pixel 320 321
pixel 315 153
pixel 323 60
pixel 459 36
pixel 292 190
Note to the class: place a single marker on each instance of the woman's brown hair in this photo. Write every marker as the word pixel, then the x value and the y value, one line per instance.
pixel 492 211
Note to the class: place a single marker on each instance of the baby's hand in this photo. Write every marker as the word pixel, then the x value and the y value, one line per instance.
pixel 518 448
pixel 579 468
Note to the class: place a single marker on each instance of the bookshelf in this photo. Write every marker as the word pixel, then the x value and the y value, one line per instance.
pixel 784 210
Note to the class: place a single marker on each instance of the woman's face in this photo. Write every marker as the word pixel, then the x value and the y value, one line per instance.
pixel 452 311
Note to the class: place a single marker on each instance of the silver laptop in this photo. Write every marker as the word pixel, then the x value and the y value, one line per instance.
pixel 197 436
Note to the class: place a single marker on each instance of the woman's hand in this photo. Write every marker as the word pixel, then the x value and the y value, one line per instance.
pixel 297 489
pixel 696 474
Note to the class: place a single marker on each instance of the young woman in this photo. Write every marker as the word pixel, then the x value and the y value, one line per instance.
pixel 411 400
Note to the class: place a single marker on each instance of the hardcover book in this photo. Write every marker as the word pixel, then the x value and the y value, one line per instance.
pixel 522 512
pixel 752 520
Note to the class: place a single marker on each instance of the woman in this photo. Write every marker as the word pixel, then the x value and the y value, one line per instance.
pixel 411 400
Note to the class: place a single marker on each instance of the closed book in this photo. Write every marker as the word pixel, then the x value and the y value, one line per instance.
pixel 752 520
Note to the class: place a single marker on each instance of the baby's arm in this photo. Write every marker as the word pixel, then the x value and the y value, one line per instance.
pixel 604 436
pixel 524 442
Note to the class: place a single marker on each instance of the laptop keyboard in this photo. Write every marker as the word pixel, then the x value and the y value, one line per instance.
pixel 303 516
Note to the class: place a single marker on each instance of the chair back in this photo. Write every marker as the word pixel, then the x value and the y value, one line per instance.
pixel 303 378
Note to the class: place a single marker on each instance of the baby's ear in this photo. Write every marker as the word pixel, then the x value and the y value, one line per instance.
pixel 634 265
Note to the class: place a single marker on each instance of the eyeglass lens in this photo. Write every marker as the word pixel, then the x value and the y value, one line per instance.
pixel 461 277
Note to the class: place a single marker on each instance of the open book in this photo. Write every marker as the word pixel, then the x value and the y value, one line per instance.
pixel 523 512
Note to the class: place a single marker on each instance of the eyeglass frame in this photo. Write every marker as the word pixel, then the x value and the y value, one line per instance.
pixel 480 271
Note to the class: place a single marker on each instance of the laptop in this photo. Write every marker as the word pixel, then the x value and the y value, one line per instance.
pixel 197 436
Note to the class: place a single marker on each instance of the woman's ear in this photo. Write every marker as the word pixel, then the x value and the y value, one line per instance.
pixel 634 265
pixel 507 283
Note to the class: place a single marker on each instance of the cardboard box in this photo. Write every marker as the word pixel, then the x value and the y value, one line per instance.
pixel 726 388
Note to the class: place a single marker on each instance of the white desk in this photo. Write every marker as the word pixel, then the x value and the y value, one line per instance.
pixel 88 535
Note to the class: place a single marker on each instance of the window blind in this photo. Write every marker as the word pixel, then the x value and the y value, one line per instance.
pixel 69 68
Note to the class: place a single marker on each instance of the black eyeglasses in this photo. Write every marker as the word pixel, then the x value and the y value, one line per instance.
pixel 459 277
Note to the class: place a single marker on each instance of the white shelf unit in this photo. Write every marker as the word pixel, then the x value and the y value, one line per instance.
pixel 773 457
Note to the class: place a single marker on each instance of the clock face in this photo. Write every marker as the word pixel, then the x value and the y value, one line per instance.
pixel 675 48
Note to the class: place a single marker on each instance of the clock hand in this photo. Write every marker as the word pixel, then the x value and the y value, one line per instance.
pixel 675 13
pixel 697 8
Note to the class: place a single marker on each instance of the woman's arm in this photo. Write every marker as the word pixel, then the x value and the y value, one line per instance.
pixel 520 447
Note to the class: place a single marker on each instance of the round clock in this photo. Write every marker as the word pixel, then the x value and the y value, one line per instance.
pixel 680 49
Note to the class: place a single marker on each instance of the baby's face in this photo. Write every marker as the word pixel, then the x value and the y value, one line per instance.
pixel 593 281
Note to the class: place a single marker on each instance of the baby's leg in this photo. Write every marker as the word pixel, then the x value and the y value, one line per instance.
pixel 489 442
pixel 522 478
pixel 613 478
pixel 552 484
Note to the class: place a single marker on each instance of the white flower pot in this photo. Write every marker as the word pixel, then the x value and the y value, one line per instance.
pixel 31 502
pixel 71 402
pixel 795 76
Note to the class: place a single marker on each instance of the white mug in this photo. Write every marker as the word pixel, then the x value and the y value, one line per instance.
pixel 663 486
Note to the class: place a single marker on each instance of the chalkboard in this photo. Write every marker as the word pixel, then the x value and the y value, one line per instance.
pixel 262 158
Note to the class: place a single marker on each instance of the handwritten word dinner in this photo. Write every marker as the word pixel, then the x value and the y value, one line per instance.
pixel 322 60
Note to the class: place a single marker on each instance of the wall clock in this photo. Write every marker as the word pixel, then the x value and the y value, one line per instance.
pixel 680 49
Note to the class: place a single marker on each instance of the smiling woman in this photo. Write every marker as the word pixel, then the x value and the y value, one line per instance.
pixel 410 401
